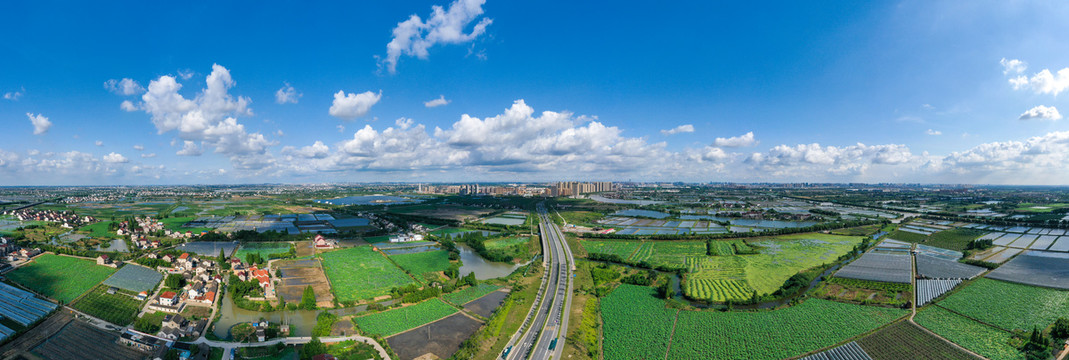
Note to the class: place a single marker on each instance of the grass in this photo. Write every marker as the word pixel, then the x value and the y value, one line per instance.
pixel 99 230
pixel 1009 306
pixel 360 273
pixel 982 339
pixel 395 321
pixel 581 217
pixel 423 262
pixel 350 349
pixel 61 277
pixel 377 239
pixel 638 326
pixel 506 242
pixel 858 231
pixel 464 296
pixel 118 308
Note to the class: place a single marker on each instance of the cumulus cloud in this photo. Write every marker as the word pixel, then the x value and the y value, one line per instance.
pixel 14 95
pixel 1043 82
pixel 98 143
pixel 317 150
pixel 744 140
pixel 115 158
pixel 41 124
pixel 128 106
pixel 351 106
pixel 413 36
pixel 147 156
pixel 190 148
pixel 209 118
pixel 1012 66
pixel 1042 113
pixel 125 87
pixel 688 128
pixel 139 147
pixel 813 160
pixel 436 102
pixel 287 94
pixel 933 132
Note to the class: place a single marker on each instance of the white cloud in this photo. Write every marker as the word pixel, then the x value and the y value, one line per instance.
pixel 115 158
pixel 413 36
pixel 436 102
pixel 317 150
pixel 98 143
pixel 139 147
pixel 688 128
pixel 351 106
pixel 125 87
pixel 933 132
pixel 287 94
pixel 190 148
pixel 341 128
pixel 1013 66
pixel 1043 82
pixel 185 74
pixel 744 140
pixel 128 106
pixel 41 124
pixel 148 156
pixel 1042 113
pixel 208 118
pixel 14 95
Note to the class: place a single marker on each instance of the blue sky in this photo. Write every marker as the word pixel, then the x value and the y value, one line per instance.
pixel 914 91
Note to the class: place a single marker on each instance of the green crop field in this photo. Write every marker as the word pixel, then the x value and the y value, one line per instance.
pixel 118 308
pixel 982 339
pixel 954 239
pixel 423 262
pixel 1009 306
pixel 99 230
pixel 265 249
pixel 60 277
pixel 360 273
pixel 721 278
pixel 906 236
pixel 623 249
pixel 669 253
pixel 394 321
pixel 729 247
pixel 464 296
pixel 638 326
pixel 905 340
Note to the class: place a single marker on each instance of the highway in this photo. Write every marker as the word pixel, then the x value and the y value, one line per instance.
pixel 547 322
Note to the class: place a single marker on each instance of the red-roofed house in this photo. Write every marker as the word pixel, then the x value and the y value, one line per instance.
pixel 169 298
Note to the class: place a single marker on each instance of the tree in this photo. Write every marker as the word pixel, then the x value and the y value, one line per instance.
pixel 312 348
pixel 308 299
pixel 222 256
pixel 1060 329
pixel 171 354
pixel 175 281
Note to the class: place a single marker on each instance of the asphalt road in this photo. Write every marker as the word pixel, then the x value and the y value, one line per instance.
pixel 549 319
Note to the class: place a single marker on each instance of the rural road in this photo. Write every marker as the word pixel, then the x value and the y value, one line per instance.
pixel 228 347
pixel 548 321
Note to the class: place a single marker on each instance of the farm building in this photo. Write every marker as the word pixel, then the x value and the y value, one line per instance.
pixel 21 306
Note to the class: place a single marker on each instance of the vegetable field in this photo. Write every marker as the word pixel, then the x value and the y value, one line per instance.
pixel 359 273
pixel 778 334
pixel 423 262
pixel 982 339
pixel 464 296
pixel 394 321
pixel 1009 306
pixel 638 326
pixel 904 340
pixel 668 253
pixel 623 249
pixel 115 308
pixel 61 277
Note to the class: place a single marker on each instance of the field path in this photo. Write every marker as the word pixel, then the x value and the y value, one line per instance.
pixel 913 259
pixel 670 337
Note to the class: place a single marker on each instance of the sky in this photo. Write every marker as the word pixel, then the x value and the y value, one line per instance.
pixel 134 93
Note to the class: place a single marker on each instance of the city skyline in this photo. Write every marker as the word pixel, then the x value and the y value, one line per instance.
pixel 474 91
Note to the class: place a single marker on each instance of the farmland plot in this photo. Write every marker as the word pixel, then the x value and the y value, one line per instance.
pixel 60 277
pixel 979 338
pixel 879 267
pixel 637 324
pixel 394 321
pixel 359 273
pixel 1007 305
pixel 135 278
pixel 931 289
pixel 940 268
pixel 1038 268
pixel 848 351
pixel 904 340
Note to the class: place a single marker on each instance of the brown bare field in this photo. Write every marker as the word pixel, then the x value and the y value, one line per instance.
pixel 441 338
pixel 299 274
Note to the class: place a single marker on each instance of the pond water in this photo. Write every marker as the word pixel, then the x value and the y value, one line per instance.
pixel 483 268
pixel 603 199
pixel 643 213
pixel 113 245
pixel 370 200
